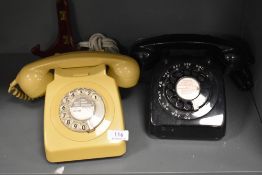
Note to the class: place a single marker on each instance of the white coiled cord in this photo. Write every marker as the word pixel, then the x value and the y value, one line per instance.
pixel 99 42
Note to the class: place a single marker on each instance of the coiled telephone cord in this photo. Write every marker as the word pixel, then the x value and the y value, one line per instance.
pixel 99 42
pixel 17 92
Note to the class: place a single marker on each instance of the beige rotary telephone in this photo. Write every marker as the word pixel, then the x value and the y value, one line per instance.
pixel 82 102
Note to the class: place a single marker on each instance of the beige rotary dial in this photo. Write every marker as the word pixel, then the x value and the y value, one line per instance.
pixel 82 110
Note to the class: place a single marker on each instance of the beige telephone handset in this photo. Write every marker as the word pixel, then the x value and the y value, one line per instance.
pixel 82 102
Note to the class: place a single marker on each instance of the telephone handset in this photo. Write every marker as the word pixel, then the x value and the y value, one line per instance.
pixel 187 97
pixel 234 54
pixel 34 77
pixel 82 101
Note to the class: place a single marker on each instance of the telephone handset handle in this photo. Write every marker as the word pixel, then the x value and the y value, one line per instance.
pixel 34 78
pixel 146 50
pixel 235 54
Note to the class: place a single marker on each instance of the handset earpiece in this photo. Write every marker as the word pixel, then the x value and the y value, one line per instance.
pixel 126 73
pixel 146 56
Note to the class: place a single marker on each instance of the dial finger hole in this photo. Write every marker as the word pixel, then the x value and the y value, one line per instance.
pixel 169 93
pixel 194 73
pixel 66 99
pixel 172 79
pixel 63 108
pixel 84 127
pixel 179 104
pixel 68 122
pixel 173 99
pixel 186 72
pixel 169 85
pixel 94 97
pixel 201 78
pixel 63 115
pixel 178 74
pixel 188 106
pixel 75 125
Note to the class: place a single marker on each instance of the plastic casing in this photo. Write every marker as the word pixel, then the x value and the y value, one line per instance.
pixel 34 77
pixel 62 144
pixel 100 71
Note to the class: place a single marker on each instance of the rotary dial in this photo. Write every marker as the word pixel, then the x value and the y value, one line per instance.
pixel 82 110
pixel 185 89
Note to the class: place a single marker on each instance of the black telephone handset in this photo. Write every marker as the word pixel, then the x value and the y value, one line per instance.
pixel 235 54
pixel 187 98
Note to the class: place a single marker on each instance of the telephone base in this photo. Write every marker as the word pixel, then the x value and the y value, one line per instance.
pixel 71 141
pixel 186 102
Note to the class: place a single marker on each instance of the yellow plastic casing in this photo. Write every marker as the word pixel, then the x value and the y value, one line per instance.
pixel 63 144
pixel 34 77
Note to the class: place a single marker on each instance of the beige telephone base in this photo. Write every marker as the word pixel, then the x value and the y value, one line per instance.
pixel 65 141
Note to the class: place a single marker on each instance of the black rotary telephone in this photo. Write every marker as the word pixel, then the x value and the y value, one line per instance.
pixel 187 98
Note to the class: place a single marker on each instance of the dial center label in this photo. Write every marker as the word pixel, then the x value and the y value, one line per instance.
pixel 82 108
pixel 188 88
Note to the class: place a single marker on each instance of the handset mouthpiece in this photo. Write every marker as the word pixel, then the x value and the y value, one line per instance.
pixel 30 83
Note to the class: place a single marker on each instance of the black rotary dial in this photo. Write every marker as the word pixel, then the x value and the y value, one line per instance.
pixel 187 90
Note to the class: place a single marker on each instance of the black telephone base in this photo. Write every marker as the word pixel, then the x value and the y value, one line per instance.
pixel 170 116
pixel 187 99
pixel 187 132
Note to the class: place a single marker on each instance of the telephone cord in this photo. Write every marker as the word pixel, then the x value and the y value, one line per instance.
pixel 15 91
pixel 99 42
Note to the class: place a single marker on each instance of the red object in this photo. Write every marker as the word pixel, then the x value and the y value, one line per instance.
pixel 65 41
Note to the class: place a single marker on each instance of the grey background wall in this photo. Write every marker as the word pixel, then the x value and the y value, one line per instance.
pixel 252 32
pixel 26 23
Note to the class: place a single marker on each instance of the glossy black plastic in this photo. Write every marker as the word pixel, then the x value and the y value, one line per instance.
pixel 168 120
pixel 203 58
pixel 235 53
